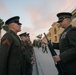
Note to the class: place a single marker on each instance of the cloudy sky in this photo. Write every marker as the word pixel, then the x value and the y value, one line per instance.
pixel 36 16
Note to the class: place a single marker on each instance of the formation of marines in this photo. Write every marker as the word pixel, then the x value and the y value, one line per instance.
pixel 17 54
pixel 16 51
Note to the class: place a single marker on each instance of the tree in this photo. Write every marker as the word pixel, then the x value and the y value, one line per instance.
pixel 1 24
pixel 35 43
pixel 39 40
pixel 39 36
pixel 5 28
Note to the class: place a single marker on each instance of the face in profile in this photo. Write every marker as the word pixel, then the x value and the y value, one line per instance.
pixel 17 27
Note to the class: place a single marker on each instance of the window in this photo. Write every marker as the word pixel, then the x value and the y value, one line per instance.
pixel 55 31
pixel 50 34
pixel 55 38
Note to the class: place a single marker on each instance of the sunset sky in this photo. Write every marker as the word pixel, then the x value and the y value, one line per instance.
pixel 36 16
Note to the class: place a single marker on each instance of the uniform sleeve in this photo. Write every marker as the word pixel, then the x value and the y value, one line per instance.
pixel 55 45
pixel 70 54
pixel 5 45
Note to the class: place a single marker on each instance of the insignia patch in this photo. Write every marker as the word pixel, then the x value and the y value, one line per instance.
pixel 63 35
pixel 6 41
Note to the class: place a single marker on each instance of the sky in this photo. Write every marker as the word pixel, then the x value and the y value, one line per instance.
pixel 36 16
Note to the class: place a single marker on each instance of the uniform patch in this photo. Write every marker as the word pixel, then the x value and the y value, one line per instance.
pixel 63 35
pixel 6 41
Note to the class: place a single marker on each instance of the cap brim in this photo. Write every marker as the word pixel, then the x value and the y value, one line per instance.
pixel 60 21
pixel 19 23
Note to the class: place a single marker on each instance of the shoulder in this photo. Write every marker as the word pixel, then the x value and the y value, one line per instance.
pixel 72 32
pixel 7 36
pixel 73 28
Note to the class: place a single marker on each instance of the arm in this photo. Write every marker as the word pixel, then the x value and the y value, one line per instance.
pixel 55 45
pixel 4 53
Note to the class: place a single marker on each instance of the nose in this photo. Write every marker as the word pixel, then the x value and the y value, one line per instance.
pixel 19 25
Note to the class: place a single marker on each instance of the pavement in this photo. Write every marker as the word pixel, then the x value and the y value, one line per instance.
pixel 44 64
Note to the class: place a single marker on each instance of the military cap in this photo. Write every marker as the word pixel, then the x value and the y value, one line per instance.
pixel 61 16
pixel 14 19
pixel 23 34
pixel 28 34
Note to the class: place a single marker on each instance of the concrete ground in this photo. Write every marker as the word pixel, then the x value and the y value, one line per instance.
pixel 44 64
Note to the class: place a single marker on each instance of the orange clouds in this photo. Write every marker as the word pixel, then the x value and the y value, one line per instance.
pixel 41 13
pixel 69 5
pixel 3 8
pixel 39 19
pixel 44 14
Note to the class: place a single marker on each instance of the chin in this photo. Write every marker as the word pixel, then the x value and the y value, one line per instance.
pixel 18 30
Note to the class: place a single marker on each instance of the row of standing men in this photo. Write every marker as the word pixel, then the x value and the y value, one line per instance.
pixel 16 52
pixel 12 54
